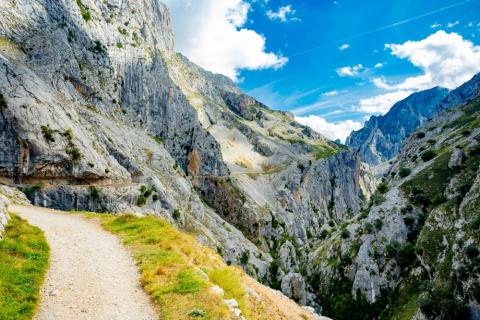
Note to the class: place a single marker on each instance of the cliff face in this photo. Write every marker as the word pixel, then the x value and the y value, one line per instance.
pixel 98 113
pixel 382 136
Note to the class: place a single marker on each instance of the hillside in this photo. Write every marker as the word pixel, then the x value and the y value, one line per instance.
pixel 413 252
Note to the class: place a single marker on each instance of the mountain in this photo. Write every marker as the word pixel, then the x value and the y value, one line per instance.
pixel 465 93
pixel 382 136
pixel 99 113
pixel 413 252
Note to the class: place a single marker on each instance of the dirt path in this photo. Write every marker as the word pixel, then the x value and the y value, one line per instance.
pixel 91 275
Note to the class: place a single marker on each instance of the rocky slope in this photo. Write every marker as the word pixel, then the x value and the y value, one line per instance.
pixel 98 113
pixel 382 136
pixel 413 253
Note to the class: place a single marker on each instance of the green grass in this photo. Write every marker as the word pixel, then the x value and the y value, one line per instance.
pixel 426 188
pixel 24 255
pixel 174 268
pixel 324 151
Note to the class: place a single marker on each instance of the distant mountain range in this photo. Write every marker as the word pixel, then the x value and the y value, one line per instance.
pixel 382 136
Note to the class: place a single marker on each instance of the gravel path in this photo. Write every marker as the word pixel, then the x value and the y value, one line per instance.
pixel 91 275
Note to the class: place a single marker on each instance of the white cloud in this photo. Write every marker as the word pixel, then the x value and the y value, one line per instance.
pixel 350 71
pixel 382 103
pixel 330 93
pixel 446 59
pixel 338 130
pixel 452 24
pixel 211 34
pixel 344 46
pixel 436 25
pixel 379 65
pixel 281 14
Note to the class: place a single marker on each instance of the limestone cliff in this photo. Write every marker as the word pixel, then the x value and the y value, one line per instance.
pixel 98 113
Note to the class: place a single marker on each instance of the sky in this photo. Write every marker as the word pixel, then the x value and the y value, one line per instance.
pixel 332 63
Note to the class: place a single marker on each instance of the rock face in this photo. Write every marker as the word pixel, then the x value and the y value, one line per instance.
pixel 98 113
pixel 382 136
pixel 8 196
pixel 4 217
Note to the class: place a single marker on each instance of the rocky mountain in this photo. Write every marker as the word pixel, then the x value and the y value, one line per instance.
pixel 413 253
pixel 382 136
pixel 98 113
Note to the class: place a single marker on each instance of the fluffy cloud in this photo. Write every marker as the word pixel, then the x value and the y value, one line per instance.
pixel 382 103
pixel 281 14
pixel 379 65
pixel 446 59
pixel 333 131
pixel 211 34
pixel 350 71
pixel 344 46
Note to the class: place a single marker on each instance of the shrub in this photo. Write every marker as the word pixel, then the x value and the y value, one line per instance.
pixel 122 30
pixel 378 224
pixel 428 155
pixel 84 11
pixel 406 255
pixel 245 257
pixel 391 250
pixel 97 48
pixel 345 234
pixel 176 214
pixel 471 251
pixel 324 234
pixel 74 152
pixel 3 102
pixel 421 135
pixel 68 134
pixel 368 227
pixel 382 187
pixel 404 172
pixel 94 193
pixel 119 45
pixel 48 133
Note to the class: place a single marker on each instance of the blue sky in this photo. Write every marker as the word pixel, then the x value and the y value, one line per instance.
pixel 347 59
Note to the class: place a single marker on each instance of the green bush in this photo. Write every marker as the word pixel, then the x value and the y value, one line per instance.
pixel 68 134
pixel 421 135
pixel 74 152
pixel 245 257
pixel 471 251
pixel 176 214
pixel 404 172
pixel 48 133
pixel 119 45
pixel 406 255
pixel 345 234
pixel 382 188
pixel 3 102
pixel 428 155
pixel 84 11
pixel 368 227
pixel 94 193
pixel 378 224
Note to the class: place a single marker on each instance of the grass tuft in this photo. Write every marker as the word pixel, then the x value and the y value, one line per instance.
pixel 24 255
